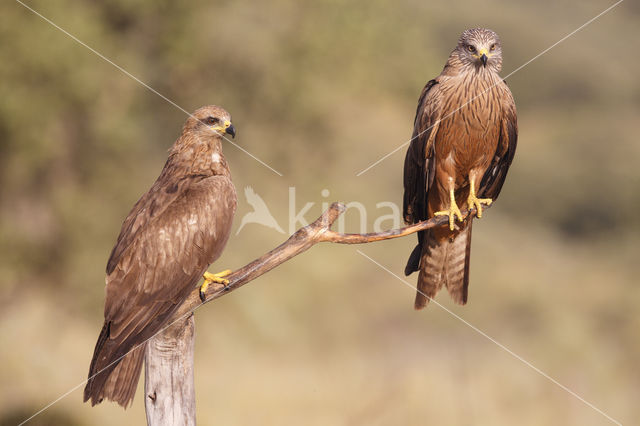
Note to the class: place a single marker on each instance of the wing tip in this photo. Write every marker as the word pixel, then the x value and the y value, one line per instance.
pixel 413 263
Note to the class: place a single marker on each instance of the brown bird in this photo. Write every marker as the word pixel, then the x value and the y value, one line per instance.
pixel 170 237
pixel 464 139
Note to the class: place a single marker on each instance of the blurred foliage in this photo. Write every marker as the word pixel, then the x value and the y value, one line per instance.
pixel 319 91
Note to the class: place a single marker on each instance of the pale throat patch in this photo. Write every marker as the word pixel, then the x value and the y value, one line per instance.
pixel 215 157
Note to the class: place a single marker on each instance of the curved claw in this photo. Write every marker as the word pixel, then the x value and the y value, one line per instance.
pixel 210 278
pixel 474 202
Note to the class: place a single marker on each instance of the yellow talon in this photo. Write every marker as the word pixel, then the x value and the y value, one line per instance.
pixel 453 211
pixel 213 278
pixel 474 202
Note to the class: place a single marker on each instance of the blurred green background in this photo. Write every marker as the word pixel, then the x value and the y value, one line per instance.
pixel 319 91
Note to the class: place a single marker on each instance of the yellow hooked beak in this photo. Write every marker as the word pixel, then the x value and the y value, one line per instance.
pixel 483 54
pixel 226 127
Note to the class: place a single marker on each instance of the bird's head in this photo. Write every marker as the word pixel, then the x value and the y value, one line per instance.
pixel 480 48
pixel 210 121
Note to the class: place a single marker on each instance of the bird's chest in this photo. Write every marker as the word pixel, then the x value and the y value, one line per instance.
pixel 470 127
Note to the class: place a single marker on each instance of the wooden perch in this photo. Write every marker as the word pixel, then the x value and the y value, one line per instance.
pixel 169 389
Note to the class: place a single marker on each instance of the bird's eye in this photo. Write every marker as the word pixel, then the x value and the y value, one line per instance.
pixel 471 49
pixel 493 47
pixel 212 120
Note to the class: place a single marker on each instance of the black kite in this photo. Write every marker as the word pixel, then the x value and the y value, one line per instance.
pixel 464 140
pixel 170 237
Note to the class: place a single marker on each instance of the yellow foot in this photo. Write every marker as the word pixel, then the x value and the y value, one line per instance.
pixel 474 202
pixel 452 212
pixel 213 278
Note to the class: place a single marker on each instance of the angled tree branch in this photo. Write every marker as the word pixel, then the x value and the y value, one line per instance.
pixel 303 239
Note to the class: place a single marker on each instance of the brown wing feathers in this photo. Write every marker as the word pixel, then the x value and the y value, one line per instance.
pixel 164 267
pixel 418 170
pixel 496 174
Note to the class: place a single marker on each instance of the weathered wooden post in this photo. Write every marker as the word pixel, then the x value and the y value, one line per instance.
pixel 169 390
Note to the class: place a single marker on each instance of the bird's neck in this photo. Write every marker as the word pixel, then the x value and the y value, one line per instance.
pixel 197 157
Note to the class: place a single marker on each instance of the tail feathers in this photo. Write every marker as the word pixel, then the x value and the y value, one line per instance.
pixel 457 266
pixel 114 380
pixel 444 262
pixel 123 381
pixel 430 279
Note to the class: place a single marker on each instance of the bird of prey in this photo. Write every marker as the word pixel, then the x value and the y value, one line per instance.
pixel 170 237
pixel 260 213
pixel 464 139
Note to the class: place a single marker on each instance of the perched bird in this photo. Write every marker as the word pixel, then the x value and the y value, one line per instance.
pixel 170 237
pixel 260 213
pixel 464 139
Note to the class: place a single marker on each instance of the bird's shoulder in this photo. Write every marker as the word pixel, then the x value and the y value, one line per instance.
pixel 428 108
pixel 507 97
pixel 507 105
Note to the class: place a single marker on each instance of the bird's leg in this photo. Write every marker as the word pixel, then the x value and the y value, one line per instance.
pixel 473 201
pixel 213 278
pixel 453 211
